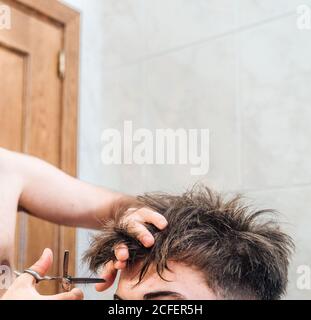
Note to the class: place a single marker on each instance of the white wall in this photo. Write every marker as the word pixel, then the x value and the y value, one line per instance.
pixel 240 68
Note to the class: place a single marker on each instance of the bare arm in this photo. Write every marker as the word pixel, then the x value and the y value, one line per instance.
pixel 48 193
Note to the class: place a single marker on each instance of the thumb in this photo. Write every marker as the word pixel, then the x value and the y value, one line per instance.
pixel 74 294
pixel 42 265
pixel 109 274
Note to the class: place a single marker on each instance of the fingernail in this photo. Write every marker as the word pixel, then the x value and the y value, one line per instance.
pixel 164 224
pixel 44 254
pixel 148 240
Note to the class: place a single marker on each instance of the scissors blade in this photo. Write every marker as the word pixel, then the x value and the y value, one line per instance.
pixel 85 280
pixel 66 264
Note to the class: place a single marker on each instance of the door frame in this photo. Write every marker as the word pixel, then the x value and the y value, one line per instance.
pixel 69 19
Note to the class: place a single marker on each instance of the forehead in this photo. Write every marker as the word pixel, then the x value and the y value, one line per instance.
pixel 181 279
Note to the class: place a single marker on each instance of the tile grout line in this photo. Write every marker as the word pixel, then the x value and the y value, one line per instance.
pixel 271 188
pixel 238 109
pixel 200 42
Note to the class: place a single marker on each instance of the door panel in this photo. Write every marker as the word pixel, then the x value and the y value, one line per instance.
pixel 11 103
pixel 33 119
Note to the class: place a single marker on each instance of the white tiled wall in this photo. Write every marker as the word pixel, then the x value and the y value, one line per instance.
pixel 240 68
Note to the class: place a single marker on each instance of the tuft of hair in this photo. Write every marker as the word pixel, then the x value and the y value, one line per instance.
pixel 241 252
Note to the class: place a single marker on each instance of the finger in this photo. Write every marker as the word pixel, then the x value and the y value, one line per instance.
pixel 120 265
pixel 44 263
pixel 142 233
pixel 41 267
pixel 153 217
pixel 74 294
pixel 121 252
pixel 109 274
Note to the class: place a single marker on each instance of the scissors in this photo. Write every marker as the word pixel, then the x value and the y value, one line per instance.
pixel 66 280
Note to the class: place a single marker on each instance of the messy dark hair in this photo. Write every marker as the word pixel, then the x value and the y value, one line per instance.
pixel 241 252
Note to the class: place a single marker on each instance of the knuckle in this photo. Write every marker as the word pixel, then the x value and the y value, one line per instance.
pixel 143 235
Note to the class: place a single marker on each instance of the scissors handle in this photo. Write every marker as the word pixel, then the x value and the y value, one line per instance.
pixel 37 276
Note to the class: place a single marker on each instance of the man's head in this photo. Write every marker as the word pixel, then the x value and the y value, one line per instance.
pixel 213 248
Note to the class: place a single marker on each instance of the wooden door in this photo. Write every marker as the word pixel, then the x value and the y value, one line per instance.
pixel 38 109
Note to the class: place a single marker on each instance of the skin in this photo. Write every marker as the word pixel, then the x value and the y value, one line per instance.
pixel 24 288
pixel 184 283
pixel 46 192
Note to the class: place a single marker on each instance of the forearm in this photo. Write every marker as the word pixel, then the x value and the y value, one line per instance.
pixel 77 206
pixel 64 200
pixel 50 194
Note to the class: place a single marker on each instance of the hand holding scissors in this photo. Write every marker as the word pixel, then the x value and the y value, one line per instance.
pixel 65 279
pixel 23 288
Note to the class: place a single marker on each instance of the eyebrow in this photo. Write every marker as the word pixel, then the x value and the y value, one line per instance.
pixel 157 294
